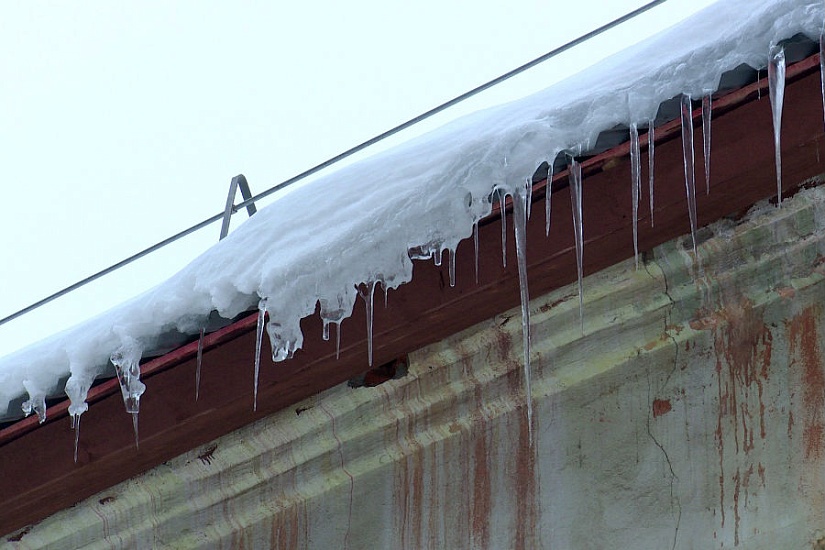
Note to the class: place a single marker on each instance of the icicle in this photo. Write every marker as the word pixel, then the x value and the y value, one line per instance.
pixel 285 337
pixel 529 186
pixel 521 199
pixel 325 335
pixel 822 69
pixel 368 296
pixel 39 406
pixel 77 388
pixel 475 246
pixel 776 87
pixel 548 199
pixel 575 175
pixel 758 88
pixel 76 426
pixel 651 144
pixel 135 429
pixel 635 186
pixel 127 365
pixel 199 361
pixel 431 250
pixel 36 402
pixel 451 268
pixel 333 312
pixel 501 199
pixel 259 336
pixel 688 159
pixel 337 340
pixel 386 290
pixel 707 106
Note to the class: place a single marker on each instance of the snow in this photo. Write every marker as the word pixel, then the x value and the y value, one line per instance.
pixel 354 227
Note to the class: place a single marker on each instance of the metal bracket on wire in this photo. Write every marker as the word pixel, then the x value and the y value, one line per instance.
pixel 237 181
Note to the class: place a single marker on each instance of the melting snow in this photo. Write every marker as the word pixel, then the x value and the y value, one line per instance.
pixel 361 225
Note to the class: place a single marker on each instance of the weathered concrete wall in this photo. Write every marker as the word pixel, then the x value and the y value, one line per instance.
pixel 689 414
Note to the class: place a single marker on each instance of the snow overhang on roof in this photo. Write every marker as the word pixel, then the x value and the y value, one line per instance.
pixel 425 197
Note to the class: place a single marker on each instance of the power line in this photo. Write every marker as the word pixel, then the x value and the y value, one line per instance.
pixel 341 156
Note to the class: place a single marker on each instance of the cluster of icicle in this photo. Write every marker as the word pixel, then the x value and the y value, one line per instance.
pixel 285 335
pixel 285 343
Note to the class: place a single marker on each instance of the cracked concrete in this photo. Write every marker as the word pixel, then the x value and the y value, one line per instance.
pixel 666 323
pixel 690 414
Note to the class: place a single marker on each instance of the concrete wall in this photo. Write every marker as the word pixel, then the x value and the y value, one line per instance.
pixel 690 413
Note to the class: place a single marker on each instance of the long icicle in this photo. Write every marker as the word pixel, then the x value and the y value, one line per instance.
pixel 198 365
pixel 758 88
pixel 501 198
pixel 689 160
pixel 651 145
pixel 259 336
pixel 338 340
pixel 451 269
pixel 636 186
pixel 368 299
pixel 135 429
pixel 126 360
pixel 822 69
pixel 76 425
pixel 575 176
pixel 548 199
pixel 776 87
pixel 475 246
pixel 521 203
pixel 707 108
pixel 529 184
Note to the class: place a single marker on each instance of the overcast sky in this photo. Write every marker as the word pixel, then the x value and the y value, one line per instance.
pixel 122 123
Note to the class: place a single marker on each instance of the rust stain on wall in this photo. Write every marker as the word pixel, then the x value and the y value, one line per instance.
pixel 290 528
pixel 736 517
pixel 704 321
pixel 434 504
pixel 415 512
pixel 409 482
pixel 481 491
pixel 803 338
pixel 743 345
pixel 786 292
pixel 526 503
pixel 524 458
pixel 661 406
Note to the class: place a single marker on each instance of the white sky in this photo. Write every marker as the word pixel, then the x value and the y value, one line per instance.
pixel 122 123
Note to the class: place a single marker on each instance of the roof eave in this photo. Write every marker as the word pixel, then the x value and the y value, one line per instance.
pixel 40 476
